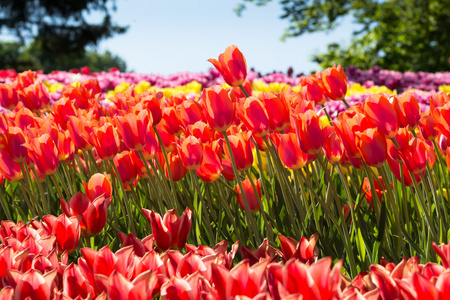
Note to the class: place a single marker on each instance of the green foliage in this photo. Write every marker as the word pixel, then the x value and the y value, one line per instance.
pixel 55 34
pixel 403 35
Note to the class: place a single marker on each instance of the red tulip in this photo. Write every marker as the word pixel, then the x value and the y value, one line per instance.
pixel 34 96
pixel 98 185
pixel 8 96
pixel 15 139
pixel 154 103
pixel 171 231
pixel 372 146
pixel 44 153
pixel 190 112
pixel 219 107
pixel 408 110
pixel 278 107
pixel 32 284
pixel 313 89
pixel 75 284
pixel 9 168
pixel 242 151
pixel 200 130
pixel 67 231
pixel 247 85
pixel 334 82
pixel 438 100
pixel 333 148
pixel 171 121
pixel 191 152
pixel 366 189
pixel 211 166
pixel 177 169
pixel 80 130
pixel 309 131
pixel 231 65
pixel 255 116
pixel 62 110
pixel 134 129
pixel 106 141
pixel 252 199
pixel 126 167
pixel 382 113
pixel 414 155
pixel 290 153
pixel 306 250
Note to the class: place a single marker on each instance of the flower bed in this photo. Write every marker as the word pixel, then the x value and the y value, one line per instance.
pixel 362 170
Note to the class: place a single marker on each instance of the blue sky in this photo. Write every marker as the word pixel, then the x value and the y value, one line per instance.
pixel 170 36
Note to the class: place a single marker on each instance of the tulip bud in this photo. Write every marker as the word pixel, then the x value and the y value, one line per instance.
pixel 250 195
pixel 231 65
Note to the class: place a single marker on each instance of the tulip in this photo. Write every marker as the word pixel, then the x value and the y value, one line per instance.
pixel 382 113
pixel 372 146
pixel 278 108
pixel 242 151
pixel 34 96
pixel 98 185
pixel 191 152
pixel 190 112
pixel 80 130
pixel 8 168
pixel 408 110
pixel 333 148
pixel 15 139
pixel 32 284
pixel 171 231
pixel 247 85
pixel 44 153
pixel 334 82
pixel 438 100
pixel 211 165
pixel 255 116
pixel 200 130
pixel 154 103
pixel 126 167
pixel 171 121
pixel 442 117
pixel 309 131
pixel 414 155
pixel 428 127
pixel 313 89
pixel 25 118
pixel 106 141
pixel 8 96
pixel 177 169
pixel 75 284
pixel 231 65
pixel 219 107
pixel 290 153
pixel 66 230
pixel 62 110
pixel 134 129
pixel 250 195
pixel 306 250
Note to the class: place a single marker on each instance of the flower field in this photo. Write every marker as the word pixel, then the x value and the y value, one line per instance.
pixel 225 184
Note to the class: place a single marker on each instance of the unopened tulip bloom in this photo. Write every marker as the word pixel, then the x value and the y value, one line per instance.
pixel 372 146
pixel 252 199
pixel 334 82
pixel 44 153
pixel 154 103
pixel 190 112
pixel 333 148
pixel 428 127
pixel 126 167
pixel 191 152
pixel 231 65
pixel 382 113
pixel 408 110
pixel 313 90
pixel 8 168
pixel 171 231
pixel 442 117
pixel 177 169
pixel 79 130
pixel 219 107
pixel 171 121
pixel 8 96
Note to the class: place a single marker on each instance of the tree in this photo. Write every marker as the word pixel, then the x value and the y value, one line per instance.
pixel 56 32
pixel 403 35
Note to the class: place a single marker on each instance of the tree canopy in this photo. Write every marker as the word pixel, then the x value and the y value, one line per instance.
pixel 55 34
pixel 403 35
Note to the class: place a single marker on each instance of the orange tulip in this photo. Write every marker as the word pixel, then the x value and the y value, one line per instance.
pixel 231 65
pixel 313 89
pixel 334 82
pixel 242 151
pixel 372 146
pixel 211 167
pixel 134 129
pixel 191 152
pixel 66 149
pixel 106 141
pixel 442 117
pixel 309 131
pixel 15 139
pixel 219 107
pixel 250 195
pixel 382 113
pixel 44 153
pixel 333 148
pixel 278 108
pixel 290 153
pixel 408 110
pixel 255 116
